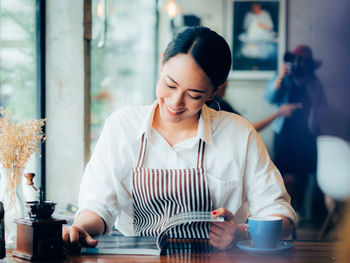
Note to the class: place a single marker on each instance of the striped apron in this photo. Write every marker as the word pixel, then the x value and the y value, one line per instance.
pixel 161 193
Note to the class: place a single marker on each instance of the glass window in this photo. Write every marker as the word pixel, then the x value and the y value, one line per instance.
pixel 123 56
pixel 17 61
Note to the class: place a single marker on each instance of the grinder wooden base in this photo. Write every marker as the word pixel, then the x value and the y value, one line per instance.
pixel 39 239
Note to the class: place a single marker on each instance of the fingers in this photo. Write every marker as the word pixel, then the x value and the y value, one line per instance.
pixel 220 237
pixel 222 212
pixel 74 237
pixel 222 233
pixel 223 228
pixel 216 241
pixel 283 71
pixel 298 105
pixel 89 241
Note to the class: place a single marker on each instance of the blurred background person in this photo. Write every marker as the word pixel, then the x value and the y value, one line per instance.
pixel 219 103
pixel 295 152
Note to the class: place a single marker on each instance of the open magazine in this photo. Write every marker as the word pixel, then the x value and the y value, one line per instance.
pixel 146 245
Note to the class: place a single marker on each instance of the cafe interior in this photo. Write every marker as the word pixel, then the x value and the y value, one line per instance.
pixel 73 63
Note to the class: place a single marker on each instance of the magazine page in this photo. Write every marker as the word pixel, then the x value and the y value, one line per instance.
pixel 146 245
pixel 185 217
pixel 108 244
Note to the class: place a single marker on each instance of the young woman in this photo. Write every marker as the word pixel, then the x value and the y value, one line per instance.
pixel 178 155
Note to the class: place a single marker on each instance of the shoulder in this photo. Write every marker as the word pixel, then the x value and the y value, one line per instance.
pixel 129 113
pixel 225 122
pixel 129 118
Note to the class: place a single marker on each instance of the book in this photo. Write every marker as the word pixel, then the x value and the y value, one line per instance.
pixel 146 245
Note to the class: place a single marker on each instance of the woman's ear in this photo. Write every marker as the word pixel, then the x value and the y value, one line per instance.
pixel 212 95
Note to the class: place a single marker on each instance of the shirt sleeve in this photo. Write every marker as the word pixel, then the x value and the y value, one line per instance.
pixel 264 186
pixel 271 93
pixel 97 191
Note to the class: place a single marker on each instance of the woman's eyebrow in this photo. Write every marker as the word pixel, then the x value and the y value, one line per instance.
pixel 194 90
pixel 172 80
pixel 197 90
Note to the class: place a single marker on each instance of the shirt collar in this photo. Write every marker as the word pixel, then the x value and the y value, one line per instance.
pixel 204 131
pixel 204 126
pixel 146 126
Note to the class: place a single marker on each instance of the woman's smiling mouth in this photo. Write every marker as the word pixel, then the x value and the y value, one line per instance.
pixel 172 111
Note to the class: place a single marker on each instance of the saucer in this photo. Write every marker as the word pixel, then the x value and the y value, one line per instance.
pixel 280 247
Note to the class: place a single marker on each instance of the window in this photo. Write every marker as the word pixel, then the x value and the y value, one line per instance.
pixel 123 57
pixel 18 71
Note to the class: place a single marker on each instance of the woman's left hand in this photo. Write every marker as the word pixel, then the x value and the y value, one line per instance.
pixel 222 234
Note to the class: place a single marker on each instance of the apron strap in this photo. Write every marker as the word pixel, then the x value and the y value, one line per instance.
pixel 142 151
pixel 200 157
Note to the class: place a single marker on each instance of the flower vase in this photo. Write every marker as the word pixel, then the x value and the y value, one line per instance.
pixel 12 196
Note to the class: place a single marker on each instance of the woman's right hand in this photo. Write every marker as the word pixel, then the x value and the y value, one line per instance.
pixel 87 223
pixel 283 71
pixel 281 75
pixel 74 237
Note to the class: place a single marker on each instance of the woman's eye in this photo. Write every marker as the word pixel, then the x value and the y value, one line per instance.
pixel 194 97
pixel 171 87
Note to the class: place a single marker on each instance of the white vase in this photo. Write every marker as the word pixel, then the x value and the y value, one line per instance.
pixel 12 196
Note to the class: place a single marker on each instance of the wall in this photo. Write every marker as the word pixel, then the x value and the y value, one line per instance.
pixel 65 100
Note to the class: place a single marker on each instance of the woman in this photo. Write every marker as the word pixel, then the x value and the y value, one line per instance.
pixel 179 155
pixel 295 137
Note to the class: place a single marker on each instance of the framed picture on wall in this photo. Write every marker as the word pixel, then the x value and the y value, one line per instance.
pixel 256 32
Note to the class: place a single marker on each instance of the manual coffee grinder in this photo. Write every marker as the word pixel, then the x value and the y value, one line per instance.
pixel 39 237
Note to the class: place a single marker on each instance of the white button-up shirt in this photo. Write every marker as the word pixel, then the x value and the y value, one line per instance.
pixel 241 176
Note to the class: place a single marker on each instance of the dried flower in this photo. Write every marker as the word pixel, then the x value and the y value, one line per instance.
pixel 18 141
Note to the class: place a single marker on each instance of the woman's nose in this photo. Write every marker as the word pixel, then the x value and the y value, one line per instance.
pixel 178 99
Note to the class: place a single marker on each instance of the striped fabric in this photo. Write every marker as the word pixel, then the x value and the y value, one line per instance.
pixel 161 193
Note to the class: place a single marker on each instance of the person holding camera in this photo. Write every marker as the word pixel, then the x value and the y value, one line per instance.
pixel 295 137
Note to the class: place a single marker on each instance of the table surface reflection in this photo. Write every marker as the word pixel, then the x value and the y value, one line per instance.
pixel 200 251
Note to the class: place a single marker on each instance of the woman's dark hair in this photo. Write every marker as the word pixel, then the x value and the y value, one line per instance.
pixel 210 51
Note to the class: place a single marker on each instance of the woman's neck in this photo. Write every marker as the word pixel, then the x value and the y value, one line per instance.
pixel 177 132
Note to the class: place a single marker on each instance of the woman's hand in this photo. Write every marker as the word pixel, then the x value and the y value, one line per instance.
pixel 75 237
pixel 281 75
pixel 79 234
pixel 222 234
pixel 287 109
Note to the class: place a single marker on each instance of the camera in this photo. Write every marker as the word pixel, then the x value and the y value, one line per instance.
pixel 297 66
pixel 293 64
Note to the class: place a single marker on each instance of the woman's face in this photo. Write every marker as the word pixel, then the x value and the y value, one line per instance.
pixel 182 89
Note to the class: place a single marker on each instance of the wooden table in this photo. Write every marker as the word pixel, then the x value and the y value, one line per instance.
pixel 303 252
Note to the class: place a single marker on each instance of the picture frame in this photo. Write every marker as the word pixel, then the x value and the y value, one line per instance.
pixel 256 33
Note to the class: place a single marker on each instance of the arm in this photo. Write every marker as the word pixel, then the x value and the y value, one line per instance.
pixel 87 224
pixel 274 86
pixel 98 203
pixel 223 234
pixel 264 186
pixel 285 110
pixel 287 226
pixel 90 222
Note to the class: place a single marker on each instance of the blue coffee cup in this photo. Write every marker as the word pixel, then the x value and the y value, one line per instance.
pixel 265 230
